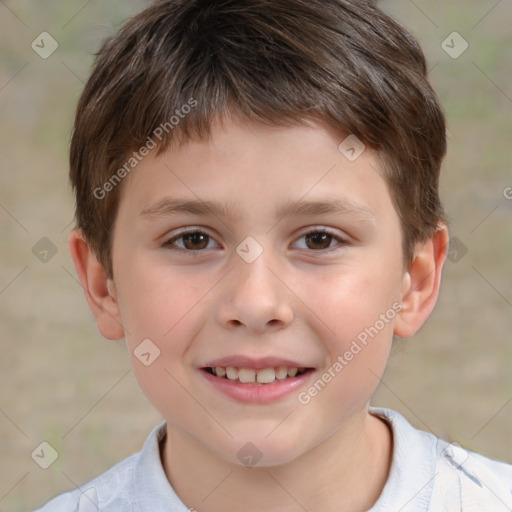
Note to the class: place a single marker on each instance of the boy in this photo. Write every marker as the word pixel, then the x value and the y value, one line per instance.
pixel 258 215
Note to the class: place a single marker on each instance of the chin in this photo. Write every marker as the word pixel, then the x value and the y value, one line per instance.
pixel 258 451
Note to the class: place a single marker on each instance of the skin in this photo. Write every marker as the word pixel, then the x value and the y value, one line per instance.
pixel 299 300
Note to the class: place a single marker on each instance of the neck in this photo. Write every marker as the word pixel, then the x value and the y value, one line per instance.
pixel 350 468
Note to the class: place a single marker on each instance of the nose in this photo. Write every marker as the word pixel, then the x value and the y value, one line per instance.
pixel 255 298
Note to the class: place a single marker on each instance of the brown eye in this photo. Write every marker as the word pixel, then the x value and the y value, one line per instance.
pixel 318 240
pixel 191 241
pixel 321 240
pixel 195 241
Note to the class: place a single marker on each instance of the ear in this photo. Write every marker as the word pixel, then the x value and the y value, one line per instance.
pixel 421 283
pixel 98 288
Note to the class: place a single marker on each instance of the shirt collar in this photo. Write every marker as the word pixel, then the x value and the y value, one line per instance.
pixel 409 484
pixel 152 490
pixel 413 466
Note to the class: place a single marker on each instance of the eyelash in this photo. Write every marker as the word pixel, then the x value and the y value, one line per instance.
pixel 314 230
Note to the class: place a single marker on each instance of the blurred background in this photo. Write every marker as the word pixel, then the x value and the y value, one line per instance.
pixel 61 383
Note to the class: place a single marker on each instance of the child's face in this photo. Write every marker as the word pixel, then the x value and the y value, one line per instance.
pixel 303 301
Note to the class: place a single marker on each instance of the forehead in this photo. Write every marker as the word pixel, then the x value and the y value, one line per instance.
pixel 246 168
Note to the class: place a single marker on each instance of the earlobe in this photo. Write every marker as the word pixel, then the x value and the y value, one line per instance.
pixel 421 283
pixel 99 290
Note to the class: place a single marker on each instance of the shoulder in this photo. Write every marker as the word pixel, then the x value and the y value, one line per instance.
pixel 429 473
pixel 120 487
pixel 500 468
pixel 479 481
pixel 114 482
pixel 136 484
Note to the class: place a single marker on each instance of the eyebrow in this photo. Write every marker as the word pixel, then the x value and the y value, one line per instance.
pixel 172 206
pixel 169 206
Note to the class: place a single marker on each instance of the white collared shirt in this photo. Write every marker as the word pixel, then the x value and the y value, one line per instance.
pixel 427 475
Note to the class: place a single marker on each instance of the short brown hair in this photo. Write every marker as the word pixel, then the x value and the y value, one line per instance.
pixel 279 62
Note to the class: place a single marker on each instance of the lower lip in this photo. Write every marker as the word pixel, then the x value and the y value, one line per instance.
pixel 257 393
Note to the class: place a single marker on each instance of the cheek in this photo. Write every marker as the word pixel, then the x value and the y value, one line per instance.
pixel 162 306
pixel 155 301
pixel 350 300
pixel 355 311
pixel 162 313
pixel 358 341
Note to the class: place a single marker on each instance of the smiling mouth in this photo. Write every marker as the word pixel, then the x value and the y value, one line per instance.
pixel 255 377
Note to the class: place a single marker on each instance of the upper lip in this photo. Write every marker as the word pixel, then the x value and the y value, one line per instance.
pixel 254 363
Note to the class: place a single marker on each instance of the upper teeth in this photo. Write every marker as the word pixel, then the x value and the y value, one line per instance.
pixel 250 375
